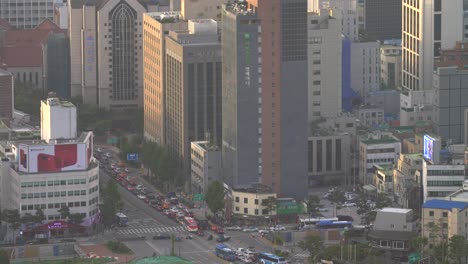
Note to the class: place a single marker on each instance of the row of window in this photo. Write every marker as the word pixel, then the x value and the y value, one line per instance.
pixel 57 182
pixel 380 160
pixel 52 194
pixel 445 172
pixel 444 183
pixel 246 200
pixel 29 207
pixel 94 189
pixel 246 211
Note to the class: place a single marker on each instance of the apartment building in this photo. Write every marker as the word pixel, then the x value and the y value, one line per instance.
pixel 450 217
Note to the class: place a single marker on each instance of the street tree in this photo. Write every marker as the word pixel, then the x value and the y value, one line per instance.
pixel 382 201
pixel 76 218
pixel 313 205
pixel 64 212
pixel 458 248
pixel 214 197
pixel 28 219
pixel 13 218
pixel 4 256
pixel 313 244
pixel 271 204
pixel 112 203
pixel 337 198
pixel 40 216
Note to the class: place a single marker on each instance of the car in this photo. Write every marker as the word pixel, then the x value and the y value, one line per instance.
pixel 263 231
pixel 240 251
pixel 124 183
pixel 245 259
pixel 146 200
pixel 126 170
pixel 277 228
pixel 234 228
pixel 139 187
pixel 136 192
pixel 141 196
pixel 200 233
pixel 130 187
pixel 345 218
pixel 349 204
pixel 180 214
pixel 161 236
pixel 108 154
pixel 219 230
pixel 322 210
pixel 159 208
pixel 250 229
pixel 222 238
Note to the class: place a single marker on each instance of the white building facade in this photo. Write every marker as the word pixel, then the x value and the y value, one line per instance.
pixel 205 165
pixel 365 69
pixel 324 58
pixel 390 65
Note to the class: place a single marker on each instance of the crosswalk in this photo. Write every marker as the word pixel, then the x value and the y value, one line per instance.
pixel 151 230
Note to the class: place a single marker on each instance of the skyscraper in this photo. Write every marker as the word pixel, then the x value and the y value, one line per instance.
pixel 284 94
pixel 193 87
pixel 106 53
pixel 428 26
pixel 241 145
pixel 156 26
pixel 383 19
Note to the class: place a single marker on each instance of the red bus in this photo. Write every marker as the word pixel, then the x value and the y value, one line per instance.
pixel 191 224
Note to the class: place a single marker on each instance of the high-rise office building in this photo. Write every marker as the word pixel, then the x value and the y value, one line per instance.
pixel 26 14
pixel 284 94
pixel 241 103
pixel 428 26
pixel 156 26
pixel 324 53
pixel 383 19
pixel 107 53
pixel 344 10
pixel 193 87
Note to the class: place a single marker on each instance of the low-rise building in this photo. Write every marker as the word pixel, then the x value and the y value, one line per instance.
pixel 406 189
pixel 393 230
pixel 249 202
pixel 376 149
pixel 370 116
pixel 448 217
pixel 390 65
pixel 383 178
pixel 205 165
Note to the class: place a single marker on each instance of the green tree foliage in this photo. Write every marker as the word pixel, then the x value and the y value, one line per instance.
pixel 28 99
pixel 28 219
pixel 419 244
pixel 313 205
pixel 112 203
pixel 313 244
pixel 271 204
pixel 12 217
pixel 118 247
pixel 161 165
pixel 92 118
pixel 458 248
pixel 76 218
pixel 214 197
pixel 4 256
pixel 64 212
pixel 346 252
pixel 337 198
pixel 40 216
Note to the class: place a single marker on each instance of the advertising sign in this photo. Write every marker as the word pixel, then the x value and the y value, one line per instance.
pixel 53 158
pixel 431 149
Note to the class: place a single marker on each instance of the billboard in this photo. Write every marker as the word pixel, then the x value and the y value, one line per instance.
pixel 53 158
pixel 431 149
pixel 89 146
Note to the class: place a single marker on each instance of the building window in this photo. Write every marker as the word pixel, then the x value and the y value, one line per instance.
pixel 392 226
pixel 246 200
pixel 246 210
pixel 237 199
pixel 256 211
pixel 444 225
pixel 444 214
pixel 384 243
pixel 237 208
pixel 264 211
pixel 256 201
pixel 431 213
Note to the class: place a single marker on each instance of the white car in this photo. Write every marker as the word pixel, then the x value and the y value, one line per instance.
pixel 349 204
pixel 250 229
pixel 277 228
pixel 240 251
pixel 139 187
pixel 126 170
pixel 263 231
pixel 234 228
pixel 322 210
pixel 141 197
pixel 245 259
pixel 108 154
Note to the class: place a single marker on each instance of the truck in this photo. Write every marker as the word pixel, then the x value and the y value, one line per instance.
pixel 121 219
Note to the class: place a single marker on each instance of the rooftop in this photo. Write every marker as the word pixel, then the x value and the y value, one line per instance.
pixel 239 8
pixel 460 195
pixel 165 17
pixel 445 204
pixel 382 140
pixel 395 210
pixel 206 145
pixel 414 156
pixel 253 188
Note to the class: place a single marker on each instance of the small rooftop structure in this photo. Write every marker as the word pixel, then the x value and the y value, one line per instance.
pixel 252 188
pixel 395 210
pixel 445 204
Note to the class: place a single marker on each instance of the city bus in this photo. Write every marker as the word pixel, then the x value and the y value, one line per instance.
pixel 224 252
pixel 333 224
pixel 268 258
pixel 190 224
pixel 309 223
pixel 121 219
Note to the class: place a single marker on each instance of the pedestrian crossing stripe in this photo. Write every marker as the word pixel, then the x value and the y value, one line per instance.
pixel 147 230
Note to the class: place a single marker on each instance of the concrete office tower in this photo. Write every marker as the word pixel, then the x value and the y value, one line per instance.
pixel 203 9
pixel 58 119
pixel 106 53
pixel 193 87
pixel 26 14
pixel 365 68
pixel 390 65
pixel 284 94
pixel 450 103
pixel 155 27
pixel 383 19
pixel 324 59
pixel 241 145
pixel 428 26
